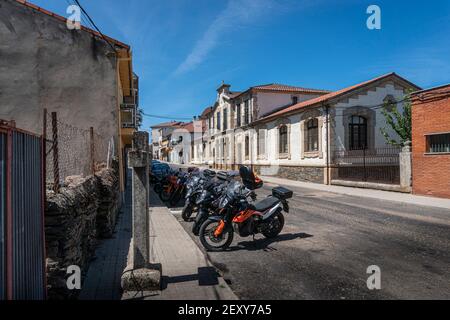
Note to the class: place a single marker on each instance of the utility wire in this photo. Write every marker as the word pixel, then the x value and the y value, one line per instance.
pixel 95 26
pixel 165 117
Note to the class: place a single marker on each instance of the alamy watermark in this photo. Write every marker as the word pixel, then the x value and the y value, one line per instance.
pixel 374 280
pixel 74 19
pixel 74 280
pixel 374 20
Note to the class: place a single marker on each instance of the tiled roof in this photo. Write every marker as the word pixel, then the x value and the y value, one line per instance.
pixel 234 94
pixel 167 124
pixel 64 20
pixel 333 95
pixel 206 112
pixel 286 88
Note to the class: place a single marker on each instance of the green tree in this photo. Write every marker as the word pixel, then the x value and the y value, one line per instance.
pixel 398 121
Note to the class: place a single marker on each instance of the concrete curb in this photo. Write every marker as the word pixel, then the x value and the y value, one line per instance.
pixel 182 262
pixel 365 193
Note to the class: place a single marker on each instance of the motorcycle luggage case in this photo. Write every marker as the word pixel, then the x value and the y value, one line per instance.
pixel 282 193
pixel 222 175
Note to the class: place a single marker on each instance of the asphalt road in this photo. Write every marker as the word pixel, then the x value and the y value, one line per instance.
pixel 328 243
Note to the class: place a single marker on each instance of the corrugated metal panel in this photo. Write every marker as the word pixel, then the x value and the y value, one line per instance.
pixel 26 197
pixel 2 215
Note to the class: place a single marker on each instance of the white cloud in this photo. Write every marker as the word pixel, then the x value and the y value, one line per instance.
pixel 236 14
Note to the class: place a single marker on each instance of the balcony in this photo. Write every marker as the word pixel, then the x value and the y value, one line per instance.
pixel 128 116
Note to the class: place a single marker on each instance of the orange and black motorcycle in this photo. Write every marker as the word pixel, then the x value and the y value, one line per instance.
pixel 238 214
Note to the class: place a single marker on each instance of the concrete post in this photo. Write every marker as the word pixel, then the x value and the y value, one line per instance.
pixel 138 160
pixel 405 167
pixel 140 274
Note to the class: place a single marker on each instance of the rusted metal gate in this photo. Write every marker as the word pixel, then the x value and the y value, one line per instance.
pixel 22 250
pixel 379 165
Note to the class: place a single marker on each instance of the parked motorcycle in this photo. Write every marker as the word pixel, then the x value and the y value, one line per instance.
pixel 238 214
pixel 169 185
pixel 195 186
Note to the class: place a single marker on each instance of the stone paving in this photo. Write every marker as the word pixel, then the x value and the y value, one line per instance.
pixel 102 281
pixel 187 273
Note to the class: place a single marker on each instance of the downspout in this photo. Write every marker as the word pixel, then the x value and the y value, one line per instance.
pixel 327 113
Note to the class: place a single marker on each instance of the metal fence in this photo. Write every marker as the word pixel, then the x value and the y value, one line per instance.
pixel 2 214
pixel 73 151
pixel 378 165
pixel 22 254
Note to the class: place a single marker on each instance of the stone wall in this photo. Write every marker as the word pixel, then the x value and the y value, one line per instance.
pixel 84 211
pixel 308 174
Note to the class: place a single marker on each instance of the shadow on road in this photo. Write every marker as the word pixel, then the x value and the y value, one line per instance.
pixel 206 276
pixel 264 244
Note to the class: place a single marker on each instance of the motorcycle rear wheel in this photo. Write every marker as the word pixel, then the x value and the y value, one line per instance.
pixel 277 226
pixel 210 242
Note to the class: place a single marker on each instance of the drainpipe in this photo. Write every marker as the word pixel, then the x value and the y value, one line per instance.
pixel 327 112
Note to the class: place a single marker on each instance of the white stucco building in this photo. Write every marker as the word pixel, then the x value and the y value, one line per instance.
pixel 225 144
pixel 301 134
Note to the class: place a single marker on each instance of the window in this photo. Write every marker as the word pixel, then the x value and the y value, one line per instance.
pixel 312 135
pixel 247 147
pixel 438 143
pixel 294 100
pixel 358 133
pixel 218 120
pixel 261 142
pixel 225 119
pixel 238 115
pixel 225 149
pixel 246 113
pixel 283 137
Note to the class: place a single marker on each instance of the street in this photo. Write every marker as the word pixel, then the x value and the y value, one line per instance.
pixel 328 243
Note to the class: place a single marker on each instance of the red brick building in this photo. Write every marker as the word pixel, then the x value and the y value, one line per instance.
pixel 431 141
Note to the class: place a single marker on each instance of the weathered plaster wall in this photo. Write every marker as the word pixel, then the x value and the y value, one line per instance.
pixel 45 65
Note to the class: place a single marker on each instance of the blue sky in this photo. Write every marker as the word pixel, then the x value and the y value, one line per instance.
pixel 184 49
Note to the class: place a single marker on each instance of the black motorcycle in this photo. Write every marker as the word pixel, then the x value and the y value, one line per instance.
pixel 209 200
pixel 195 186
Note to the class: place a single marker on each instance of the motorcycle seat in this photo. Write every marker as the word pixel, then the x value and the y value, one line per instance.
pixel 266 204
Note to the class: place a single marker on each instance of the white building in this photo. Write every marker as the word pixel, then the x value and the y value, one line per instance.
pixel 302 134
pixel 182 142
pixel 161 134
pixel 225 144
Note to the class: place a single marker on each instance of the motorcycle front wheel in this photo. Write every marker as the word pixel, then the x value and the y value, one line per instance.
pixel 210 241
pixel 175 198
pixel 165 195
pixel 199 220
pixel 275 226
pixel 158 188
pixel 187 211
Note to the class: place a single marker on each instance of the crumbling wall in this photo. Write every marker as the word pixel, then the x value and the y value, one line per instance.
pixel 84 211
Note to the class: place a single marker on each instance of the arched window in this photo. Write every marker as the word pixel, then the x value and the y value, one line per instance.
pixel 312 135
pixel 358 133
pixel 283 139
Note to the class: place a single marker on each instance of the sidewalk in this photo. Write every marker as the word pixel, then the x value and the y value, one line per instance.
pixel 105 271
pixel 367 193
pixel 187 274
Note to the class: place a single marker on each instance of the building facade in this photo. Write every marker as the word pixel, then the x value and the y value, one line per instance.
pixel 161 136
pixel 431 142
pixel 226 143
pixel 304 134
